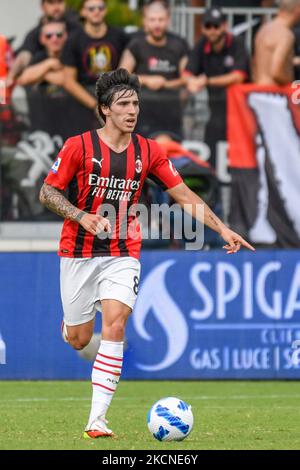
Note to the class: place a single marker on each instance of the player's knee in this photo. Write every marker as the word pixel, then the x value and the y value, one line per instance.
pixel 79 342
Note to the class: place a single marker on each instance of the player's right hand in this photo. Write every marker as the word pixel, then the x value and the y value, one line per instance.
pixel 234 241
pixel 95 224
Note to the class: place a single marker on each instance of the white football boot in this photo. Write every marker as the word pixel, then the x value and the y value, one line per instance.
pixel 98 428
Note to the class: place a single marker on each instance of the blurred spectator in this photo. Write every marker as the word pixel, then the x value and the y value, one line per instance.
pixel 94 49
pixel 44 81
pixel 217 61
pixel 242 23
pixel 45 66
pixel 275 45
pixel 49 116
pixel 159 58
pixel 52 10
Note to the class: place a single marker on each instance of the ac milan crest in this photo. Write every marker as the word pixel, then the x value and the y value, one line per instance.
pixel 138 166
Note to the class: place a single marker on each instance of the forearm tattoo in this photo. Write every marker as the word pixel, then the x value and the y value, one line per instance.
pixel 56 202
pixel 214 222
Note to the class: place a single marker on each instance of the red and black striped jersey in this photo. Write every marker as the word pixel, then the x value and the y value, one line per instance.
pixel 97 177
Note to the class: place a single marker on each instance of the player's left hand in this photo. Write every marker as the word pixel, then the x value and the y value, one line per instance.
pixel 234 242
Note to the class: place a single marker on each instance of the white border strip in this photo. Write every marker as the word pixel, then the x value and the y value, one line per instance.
pixel 8 246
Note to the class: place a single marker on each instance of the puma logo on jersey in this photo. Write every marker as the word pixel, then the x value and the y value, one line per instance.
pixel 98 161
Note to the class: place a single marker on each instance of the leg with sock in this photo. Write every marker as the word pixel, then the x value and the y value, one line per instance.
pixel 105 378
pixel 107 366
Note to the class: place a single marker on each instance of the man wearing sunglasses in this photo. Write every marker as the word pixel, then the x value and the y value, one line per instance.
pixel 217 61
pixel 50 107
pixel 51 10
pixel 45 66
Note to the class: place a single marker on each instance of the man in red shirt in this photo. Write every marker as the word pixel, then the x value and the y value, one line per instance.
pixel 107 168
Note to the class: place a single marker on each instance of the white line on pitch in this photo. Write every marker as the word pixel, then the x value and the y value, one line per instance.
pixel 204 398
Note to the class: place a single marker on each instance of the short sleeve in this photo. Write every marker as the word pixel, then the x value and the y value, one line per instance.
pixel 66 165
pixel 134 47
pixel 195 65
pixel 162 170
pixel 69 57
pixel 183 49
pixel 125 39
pixel 32 42
pixel 241 58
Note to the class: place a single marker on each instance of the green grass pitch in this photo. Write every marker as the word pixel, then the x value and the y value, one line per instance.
pixel 228 415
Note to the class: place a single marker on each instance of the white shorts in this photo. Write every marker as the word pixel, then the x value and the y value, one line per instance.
pixel 84 282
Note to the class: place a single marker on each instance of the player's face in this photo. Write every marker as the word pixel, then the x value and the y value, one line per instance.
pixel 54 9
pixel 53 37
pixel 214 33
pixel 156 22
pixel 94 12
pixel 123 112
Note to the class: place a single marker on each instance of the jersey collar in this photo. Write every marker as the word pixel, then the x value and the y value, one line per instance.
pixel 228 42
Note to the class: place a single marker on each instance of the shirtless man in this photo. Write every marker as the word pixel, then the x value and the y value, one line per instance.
pixel 274 47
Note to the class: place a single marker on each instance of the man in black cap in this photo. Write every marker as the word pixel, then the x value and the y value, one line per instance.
pixel 217 61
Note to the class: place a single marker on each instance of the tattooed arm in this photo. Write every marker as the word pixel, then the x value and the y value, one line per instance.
pixel 56 202
pixel 190 202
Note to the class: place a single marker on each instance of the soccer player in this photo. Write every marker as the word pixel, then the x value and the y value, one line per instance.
pixel 109 166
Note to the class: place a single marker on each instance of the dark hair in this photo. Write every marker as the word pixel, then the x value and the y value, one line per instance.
pixel 46 21
pixel 110 83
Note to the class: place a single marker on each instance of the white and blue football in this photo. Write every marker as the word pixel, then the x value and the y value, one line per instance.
pixel 170 419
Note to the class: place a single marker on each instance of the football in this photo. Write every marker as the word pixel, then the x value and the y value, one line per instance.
pixel 170 419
